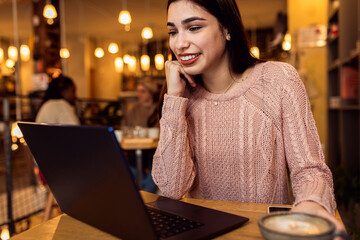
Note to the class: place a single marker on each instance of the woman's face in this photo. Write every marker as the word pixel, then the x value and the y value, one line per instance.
pixel 196 37
pixel 144 95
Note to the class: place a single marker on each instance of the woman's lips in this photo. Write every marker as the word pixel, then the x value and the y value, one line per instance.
pixel 189 58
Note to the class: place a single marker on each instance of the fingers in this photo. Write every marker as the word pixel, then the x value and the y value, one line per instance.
pixel 176 78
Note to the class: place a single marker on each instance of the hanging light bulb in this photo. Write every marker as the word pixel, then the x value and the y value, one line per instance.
pixel 1 55
pixel 10 63
pixel 5 235
pixel 25 53
pixel 159 61
pixel 64 53
pixel 127 58
pixel 286 45
pixel 99 52
pixel 255 52
pixel 113 48
pixel 132 64
pixel 13 53
pixel 145 62
pixel 49 11
pixel 146 33
pixel 169 57
pixel 119 64
pixel 124 17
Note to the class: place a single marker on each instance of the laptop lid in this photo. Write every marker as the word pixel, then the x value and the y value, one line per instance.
pixel 88 175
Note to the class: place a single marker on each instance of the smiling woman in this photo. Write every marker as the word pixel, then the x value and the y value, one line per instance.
pixel 231 124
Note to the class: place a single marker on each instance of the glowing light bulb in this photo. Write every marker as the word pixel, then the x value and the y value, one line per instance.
pixel 49 11
pixel 113 48
pixel 145 62
pixel 132 64
pixel 159 61
pixel 1 55
pixel 13 53
pixel 146 33
pixel 25 53
pixel 99 52
pixel 119 64
pixel 127 58
pixel 64 53
pixel 10 63
pixel 124 17
pixel 255 52
pixel 5 235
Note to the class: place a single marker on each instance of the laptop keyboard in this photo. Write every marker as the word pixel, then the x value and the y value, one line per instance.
pixel 167 224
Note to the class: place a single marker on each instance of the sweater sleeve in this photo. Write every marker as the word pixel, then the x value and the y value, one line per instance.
pixel 311 178
pixel 173 167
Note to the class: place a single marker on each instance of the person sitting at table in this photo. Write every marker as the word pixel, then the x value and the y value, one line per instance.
pixel 144 114
pixel 231 124
pixel 58 103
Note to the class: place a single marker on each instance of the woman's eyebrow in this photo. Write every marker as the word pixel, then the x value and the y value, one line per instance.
pixel 185 21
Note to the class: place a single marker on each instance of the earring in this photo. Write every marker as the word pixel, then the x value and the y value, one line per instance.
pixel 228 37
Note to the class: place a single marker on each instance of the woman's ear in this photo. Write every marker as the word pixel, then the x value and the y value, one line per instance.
pixel 227 34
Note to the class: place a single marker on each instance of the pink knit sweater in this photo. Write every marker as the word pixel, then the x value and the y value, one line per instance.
pixel 238 150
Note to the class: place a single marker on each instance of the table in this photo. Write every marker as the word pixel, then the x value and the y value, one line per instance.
pixel 139 144
pixel 65 227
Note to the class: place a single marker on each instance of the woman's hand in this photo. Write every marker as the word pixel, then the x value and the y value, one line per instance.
pixel 176 78
pixel 316 209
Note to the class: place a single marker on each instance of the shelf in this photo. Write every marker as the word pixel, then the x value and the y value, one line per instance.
pixel 353 59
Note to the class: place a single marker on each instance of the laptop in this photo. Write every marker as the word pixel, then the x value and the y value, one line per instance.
pixel 90 179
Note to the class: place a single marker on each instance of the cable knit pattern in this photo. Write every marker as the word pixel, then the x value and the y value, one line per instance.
pixel 238 150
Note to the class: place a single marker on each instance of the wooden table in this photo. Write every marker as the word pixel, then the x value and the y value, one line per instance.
pixel 139 144
pixel 65 227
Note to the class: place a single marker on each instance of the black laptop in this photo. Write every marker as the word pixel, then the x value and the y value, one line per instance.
pixel 88 175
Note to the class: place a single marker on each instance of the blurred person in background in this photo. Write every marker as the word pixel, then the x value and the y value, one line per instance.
pixel 143 114
pixel 58 103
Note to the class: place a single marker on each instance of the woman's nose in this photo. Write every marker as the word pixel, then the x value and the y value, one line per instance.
pixel 182 41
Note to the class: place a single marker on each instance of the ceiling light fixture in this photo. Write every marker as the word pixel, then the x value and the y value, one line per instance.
pixel 13 53
pixel 64 53
pixel 113 48
pixel 99 52
pixel 146 33
pixel 145 62
pixel 159 61
pixel 119 64
pixel 125 17
pixel 1 55
pixel 49 11
pixel 24 53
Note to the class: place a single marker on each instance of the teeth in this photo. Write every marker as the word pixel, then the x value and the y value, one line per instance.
pixel 188 57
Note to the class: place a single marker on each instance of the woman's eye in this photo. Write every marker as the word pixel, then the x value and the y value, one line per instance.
pixel 171 33
pixel 193 29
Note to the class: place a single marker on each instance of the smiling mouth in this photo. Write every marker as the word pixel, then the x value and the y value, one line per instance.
pixel 189 59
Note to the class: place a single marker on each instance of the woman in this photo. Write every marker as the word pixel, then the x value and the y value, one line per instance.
pixel 231 125
pixel 58 103
pixel 144 113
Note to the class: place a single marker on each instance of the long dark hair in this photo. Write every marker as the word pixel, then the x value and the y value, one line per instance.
pixel 56 86
pixel 228 15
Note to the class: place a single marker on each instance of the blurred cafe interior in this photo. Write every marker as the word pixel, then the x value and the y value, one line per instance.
pixel 108 47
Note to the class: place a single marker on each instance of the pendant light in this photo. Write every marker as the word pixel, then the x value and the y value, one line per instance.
pixel 13 53
pixel 124 16
pixel 49 11
pixel 1 55
pixel 64 53
pixel 99 52
pixel 159 61
pixel 24 53
pixel 113 48
pixel 127 58
pixel 286 45
pixel 119 64
pixel 132 64
pixel 145 62
pixel 10 63
pixel 147 33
